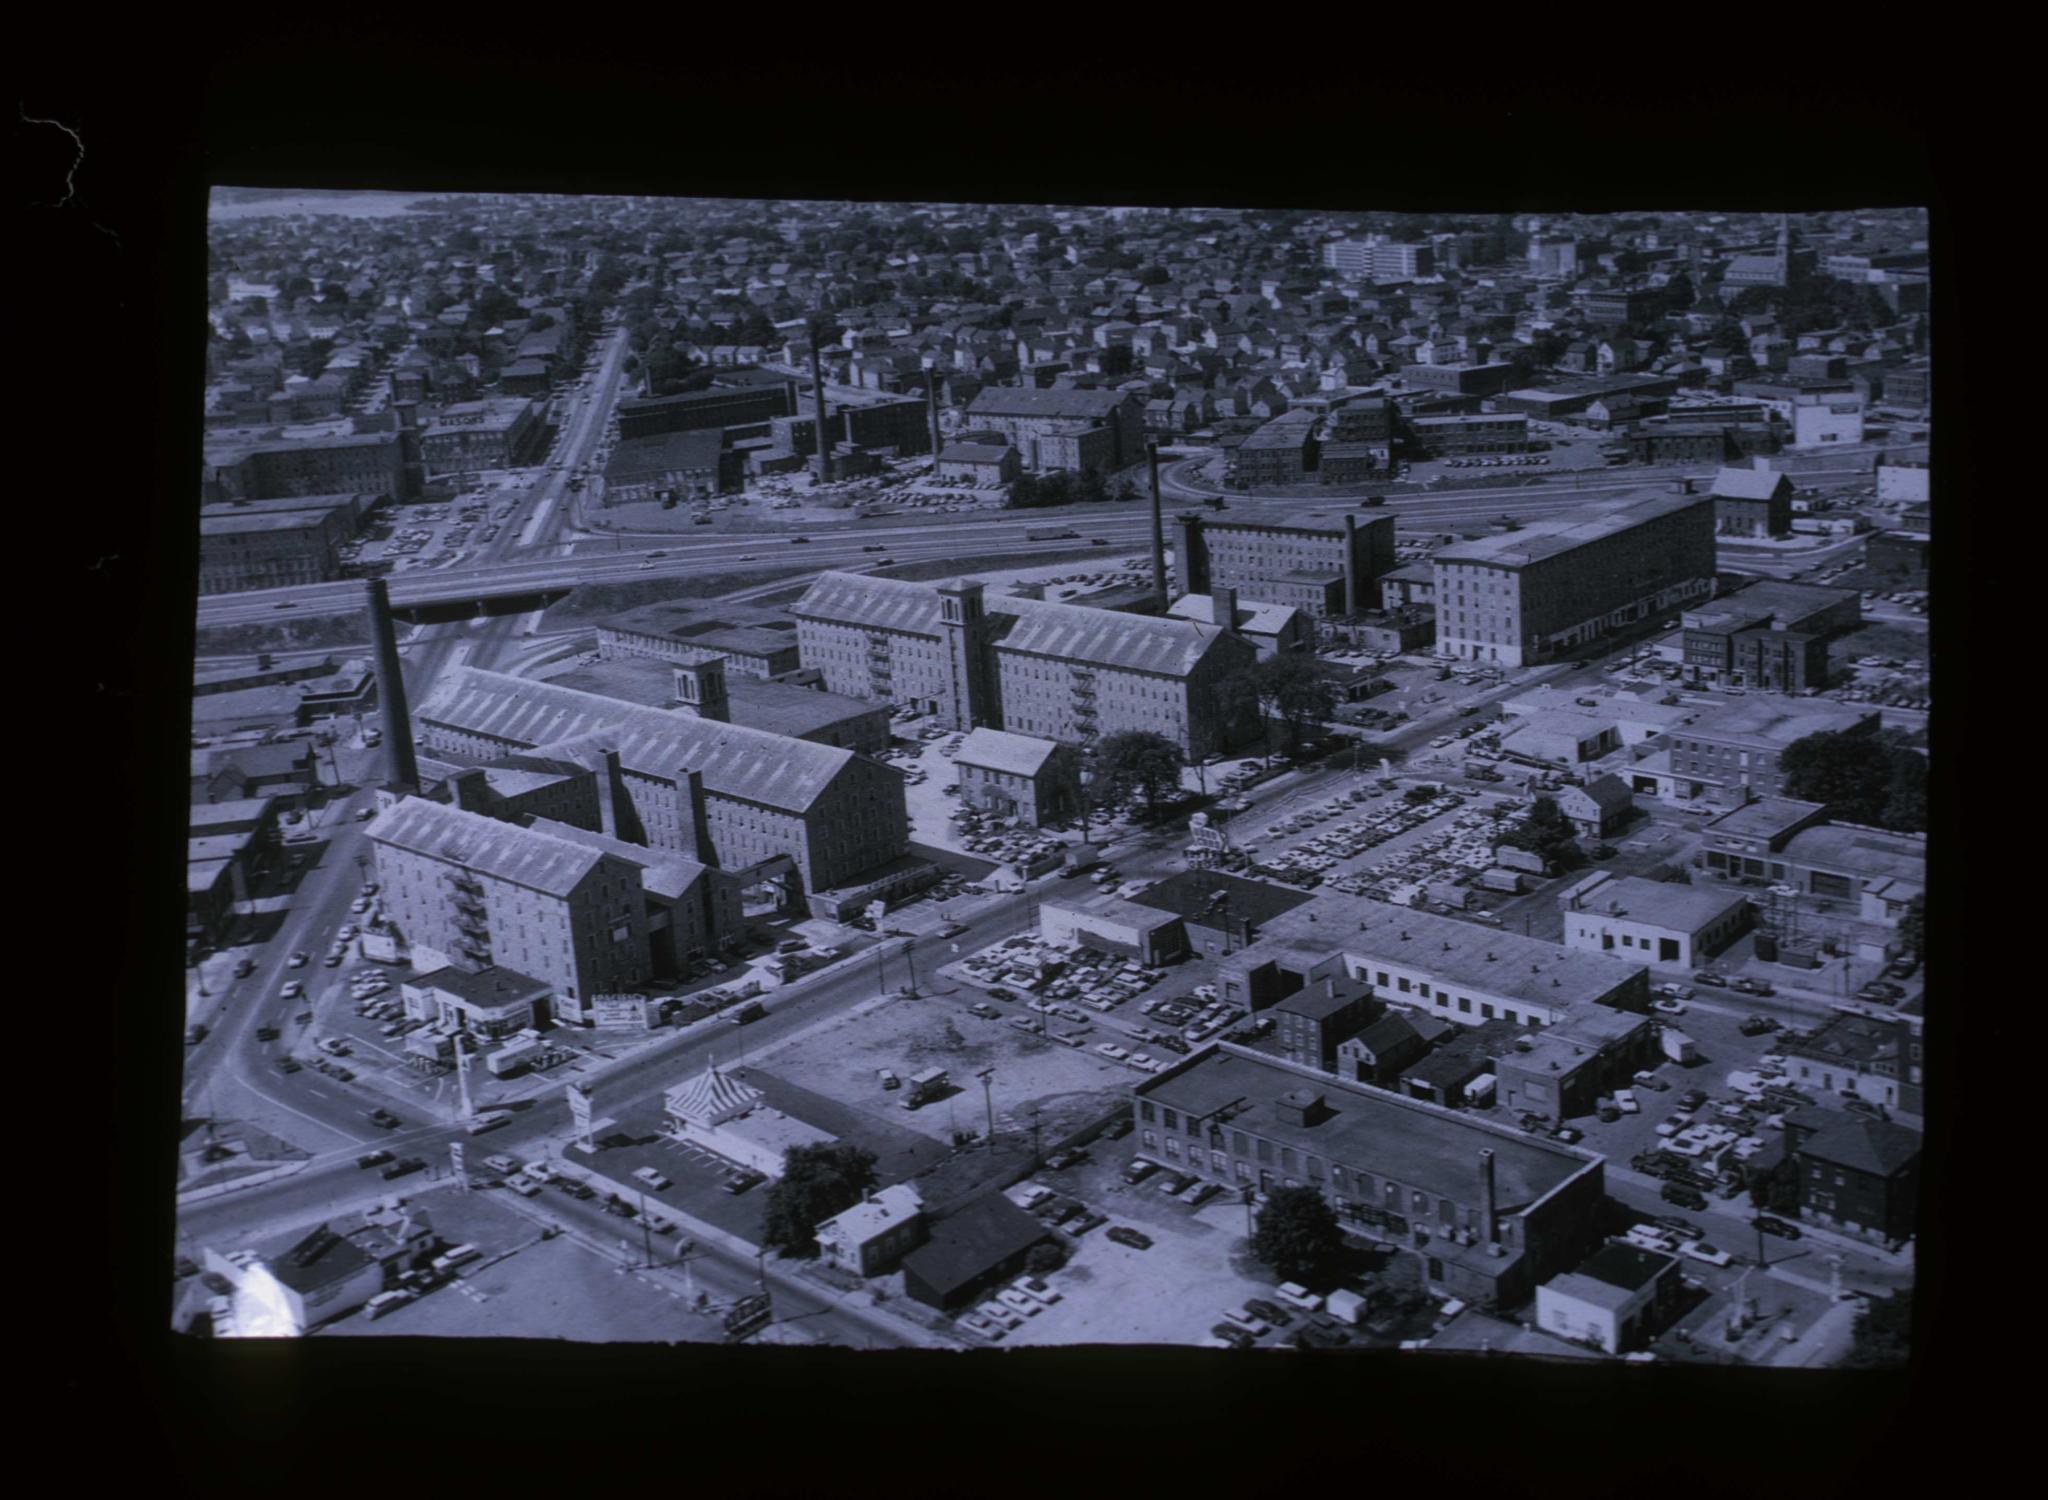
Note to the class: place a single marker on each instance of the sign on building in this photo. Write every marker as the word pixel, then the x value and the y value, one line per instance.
pixel 579 1110
pixel 455 1161
pixel 619 1011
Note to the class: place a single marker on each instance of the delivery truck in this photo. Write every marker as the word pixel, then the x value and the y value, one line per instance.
pixel 923 1087
pixel 1679 1047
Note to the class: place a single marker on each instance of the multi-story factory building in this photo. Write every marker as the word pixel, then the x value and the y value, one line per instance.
pixel 1057 671
pixel 767 807
pixel 1556 585
pixel 1326 565
pixel 469 892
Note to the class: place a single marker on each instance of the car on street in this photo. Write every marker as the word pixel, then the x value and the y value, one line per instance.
pixel 1710 978
pixel 1684 1195
pixel 266 1033
pixel 1767 1224
pixel 1683 1229
pixel 1757 1025
pixel 195 1034
pixel 985 1011
pixel 244 967
pixel 1062 1159
pixel 1668 1006
pixel 1701 1250
pixel 1123 1234
pixel 385 1119
pixel 374 1159
pixel 403 1167
pixel 288 1065
pixel 1271 1312
pixel 1748 986
pixel 298 960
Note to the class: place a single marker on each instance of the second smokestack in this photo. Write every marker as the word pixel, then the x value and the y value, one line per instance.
pixel 401 764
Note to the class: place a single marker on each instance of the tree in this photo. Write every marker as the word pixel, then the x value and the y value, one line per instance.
pixel 1138 760
pixel 1546 832
pixel 1297 1234
pixel 1301 695
pixel 1883 1334
pixel 1855 774
pixel 1236 700
pixel 1905 806
pixel 1045 1258
pixel 1913 925
pixel 817 1182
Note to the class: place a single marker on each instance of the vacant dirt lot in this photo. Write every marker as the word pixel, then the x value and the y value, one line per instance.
pixel 842 1062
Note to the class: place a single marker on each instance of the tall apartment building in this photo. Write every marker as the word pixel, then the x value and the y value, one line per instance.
pixel 1325 570
pixel 466 891
pixel 1057 671
pixel 1555 585
pixel 1064 429
pixel 1380 262
pixel 763 806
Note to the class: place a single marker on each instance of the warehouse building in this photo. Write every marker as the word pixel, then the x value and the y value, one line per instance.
pixel 672 466
pixel 1461 436
pixel 1068 428
pixel 1559 584
pixel 1428 962
pixel 1653 921
pixel 1327 564
pixel 700 686
pixel 1488 1212
pixel 1733 756
pixel 498 433
pixel 1771 635
pixel 717 408
pixel 758 643
pixel 1017 776
pixel 248 549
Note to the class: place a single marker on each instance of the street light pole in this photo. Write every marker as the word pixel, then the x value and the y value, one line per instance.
pixel 987 1076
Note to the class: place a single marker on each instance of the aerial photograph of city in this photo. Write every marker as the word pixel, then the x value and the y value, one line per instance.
pixel 979 776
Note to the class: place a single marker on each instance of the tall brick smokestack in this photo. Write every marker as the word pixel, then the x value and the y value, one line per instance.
pixel 401 765
pixel 931 409
pixel 818 406
pixel 1489 1221
pixel 1158 533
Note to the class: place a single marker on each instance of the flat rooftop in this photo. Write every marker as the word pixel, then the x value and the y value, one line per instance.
pixel 1777 722
pixel 776 707
pixel 1682 908
pixel 1559 534
pixel 1419 1145
pixel 1459 954
pixel 1766 818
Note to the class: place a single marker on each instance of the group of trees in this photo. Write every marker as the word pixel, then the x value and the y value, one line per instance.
pixel 816 1183
pixel 1289 689
pixel 1135 762
pixel 1063 487
pixel 1862 777
pixel 1818 302
pixel 1546 832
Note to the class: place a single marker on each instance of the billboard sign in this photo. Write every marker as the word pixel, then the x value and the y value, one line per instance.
pixel 455 1157
pixel 609 1012
pixel 579 1109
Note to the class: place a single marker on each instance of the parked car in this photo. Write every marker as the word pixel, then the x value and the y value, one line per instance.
pixel 1668 1006
pixel 1124 1235
pixel 1271 1312
pixel 1756 1025
pixel 1701 1250
pixel 1139 1170
pixel 1684 1195
pixel 1779 1227
pixel 374 1159
pixel 1709 977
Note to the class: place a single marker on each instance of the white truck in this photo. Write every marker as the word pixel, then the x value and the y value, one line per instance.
pixel 924 1086
pixel 1346 1307
pixel 1679 1047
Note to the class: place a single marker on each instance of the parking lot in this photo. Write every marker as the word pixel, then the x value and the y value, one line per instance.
pixel 407 538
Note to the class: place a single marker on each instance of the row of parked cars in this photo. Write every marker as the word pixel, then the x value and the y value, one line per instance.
pixel 1009 1309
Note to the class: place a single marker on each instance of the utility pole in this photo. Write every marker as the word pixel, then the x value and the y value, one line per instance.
pixel 1036 1145
pixel 646 1234
pixel 910 962
pixel 987 1076
pixel 462 1076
